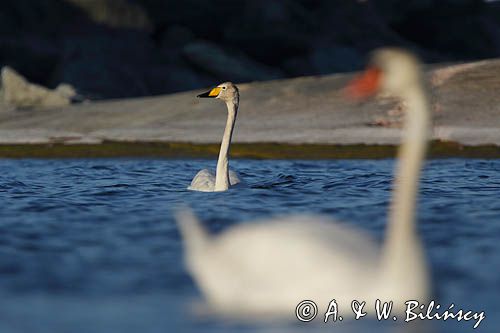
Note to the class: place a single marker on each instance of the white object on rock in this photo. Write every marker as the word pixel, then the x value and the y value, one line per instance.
pixel 19 93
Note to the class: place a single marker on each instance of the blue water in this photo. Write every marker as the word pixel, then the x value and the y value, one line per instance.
pixel 91 245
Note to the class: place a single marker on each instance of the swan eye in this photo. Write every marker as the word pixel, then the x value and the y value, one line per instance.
pixel 223 88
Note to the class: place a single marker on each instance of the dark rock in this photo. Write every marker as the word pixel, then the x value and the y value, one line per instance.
pixel 115 13
pixel 123 48
pixel 271 31
pixel 35 57
pixel 107 64
pixel 177 36
pixel 227 66
pixel 454 27
pixel 332 59
pixel 175 78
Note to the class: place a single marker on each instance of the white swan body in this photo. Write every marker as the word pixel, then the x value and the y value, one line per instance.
pixel 204 181
pixel 268 267
pixel 223 179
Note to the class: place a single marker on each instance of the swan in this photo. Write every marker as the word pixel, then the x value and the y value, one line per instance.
pixel 266 268
pixel 205 180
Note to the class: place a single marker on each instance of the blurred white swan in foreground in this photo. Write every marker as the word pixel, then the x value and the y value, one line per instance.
pixel 205 180
pixel 266 268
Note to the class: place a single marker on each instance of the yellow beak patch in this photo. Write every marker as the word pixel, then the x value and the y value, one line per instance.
pixel 214 92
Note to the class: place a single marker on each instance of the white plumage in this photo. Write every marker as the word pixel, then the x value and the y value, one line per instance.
pixel 204 181
pixel 266 268
pixel 223 178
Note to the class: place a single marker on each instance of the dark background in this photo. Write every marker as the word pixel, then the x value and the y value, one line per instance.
pixel 120 48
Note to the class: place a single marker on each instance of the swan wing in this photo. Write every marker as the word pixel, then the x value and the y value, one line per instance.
pixel 234 178
pixel 203 181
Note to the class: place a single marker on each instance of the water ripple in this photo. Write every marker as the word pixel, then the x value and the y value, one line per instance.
pixel 105 227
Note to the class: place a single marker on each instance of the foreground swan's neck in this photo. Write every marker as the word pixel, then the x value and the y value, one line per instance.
pixel 222 173
pixel 402 244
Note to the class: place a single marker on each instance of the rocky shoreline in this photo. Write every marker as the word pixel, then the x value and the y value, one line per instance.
pixel 129 48
pixel 301 111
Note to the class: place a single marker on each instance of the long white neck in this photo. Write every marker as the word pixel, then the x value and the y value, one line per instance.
pixel 402 248
pixel 222 173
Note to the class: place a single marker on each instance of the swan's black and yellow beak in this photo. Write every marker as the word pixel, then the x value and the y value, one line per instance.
pixel 211 93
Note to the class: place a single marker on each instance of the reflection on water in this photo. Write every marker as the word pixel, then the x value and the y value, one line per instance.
pixel 91 245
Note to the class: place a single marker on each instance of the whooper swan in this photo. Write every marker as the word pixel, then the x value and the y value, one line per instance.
pixel 205 180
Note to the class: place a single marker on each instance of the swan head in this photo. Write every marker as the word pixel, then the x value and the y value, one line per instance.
pixel 391 71
pixel 227 91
